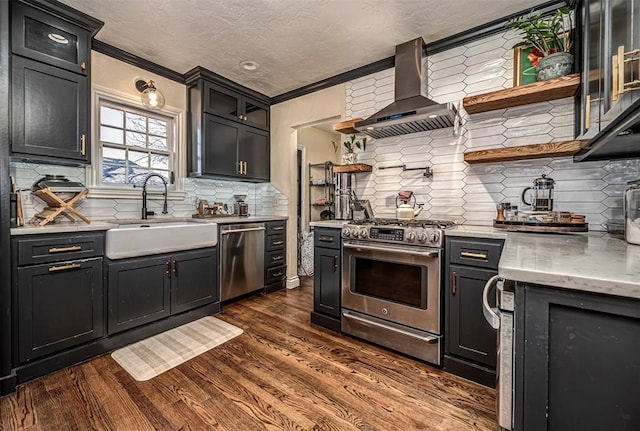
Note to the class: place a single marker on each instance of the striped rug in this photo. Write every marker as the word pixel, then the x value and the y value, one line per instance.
pixel 153 356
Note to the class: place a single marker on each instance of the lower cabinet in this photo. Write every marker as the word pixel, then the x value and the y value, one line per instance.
pixel 275 255
pixel 60 305
pixel 470 342
pixel 576 360
pixel 327 278
pixel 143 290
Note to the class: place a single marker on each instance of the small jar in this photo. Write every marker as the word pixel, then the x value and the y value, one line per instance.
pixel 632 212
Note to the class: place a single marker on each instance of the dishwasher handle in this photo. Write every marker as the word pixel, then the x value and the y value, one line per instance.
pixel 490 314
pixel 226 232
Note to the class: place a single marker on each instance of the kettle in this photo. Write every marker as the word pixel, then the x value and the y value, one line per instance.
pixel 541 194
pixel 407 210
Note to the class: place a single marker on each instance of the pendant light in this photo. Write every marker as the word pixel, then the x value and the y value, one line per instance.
pixel 151 97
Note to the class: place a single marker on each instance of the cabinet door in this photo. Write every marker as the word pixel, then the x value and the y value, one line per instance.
pixel 139 292
pixel 221 101
pixel 49 108
pixel 469 335
pixel 60 305
pixel 326 281
pixel 220 149
pixel 576 361
pixel 195 279
pixel 255 153
pixel 40 36
pixel 256 114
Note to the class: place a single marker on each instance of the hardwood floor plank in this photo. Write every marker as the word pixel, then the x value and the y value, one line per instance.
pixel 283 373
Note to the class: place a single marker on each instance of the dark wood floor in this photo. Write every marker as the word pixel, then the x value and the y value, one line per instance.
pixel 282 374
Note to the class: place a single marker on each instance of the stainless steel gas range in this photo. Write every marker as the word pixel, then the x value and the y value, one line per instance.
pixel 391 284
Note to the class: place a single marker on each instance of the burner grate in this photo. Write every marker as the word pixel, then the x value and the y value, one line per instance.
pixel 441 224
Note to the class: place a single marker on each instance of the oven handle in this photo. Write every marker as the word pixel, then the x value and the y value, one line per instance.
pixel 427 339
pixel 391 250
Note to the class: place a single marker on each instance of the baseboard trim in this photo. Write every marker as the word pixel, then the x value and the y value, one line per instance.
pixel 293 282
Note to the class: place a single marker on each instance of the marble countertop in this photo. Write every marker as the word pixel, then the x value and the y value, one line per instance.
pixel 64 227
pixel 329 223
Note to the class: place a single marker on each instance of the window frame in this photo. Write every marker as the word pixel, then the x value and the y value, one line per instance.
pixel 98 189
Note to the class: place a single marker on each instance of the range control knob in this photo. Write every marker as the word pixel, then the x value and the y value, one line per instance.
pixel 434 237
pixel 346 233
pixel 363 233
pixel 422 237
pixel 411 237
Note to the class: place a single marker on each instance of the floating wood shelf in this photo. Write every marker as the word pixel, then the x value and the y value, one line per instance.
pixel 542 91
pixel 346 126
pixel 524 152
pixel 350 169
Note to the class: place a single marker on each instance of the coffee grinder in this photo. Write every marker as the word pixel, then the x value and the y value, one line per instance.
pixel 240 207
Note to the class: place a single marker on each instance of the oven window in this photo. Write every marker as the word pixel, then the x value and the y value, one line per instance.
pixel 392 281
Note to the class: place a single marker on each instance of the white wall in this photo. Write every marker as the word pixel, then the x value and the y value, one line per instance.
pixel 469 193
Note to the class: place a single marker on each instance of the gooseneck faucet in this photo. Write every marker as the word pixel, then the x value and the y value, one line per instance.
pixel 146 213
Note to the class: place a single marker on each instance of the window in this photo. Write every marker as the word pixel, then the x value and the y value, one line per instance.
pixel 132 143
pixel 129 142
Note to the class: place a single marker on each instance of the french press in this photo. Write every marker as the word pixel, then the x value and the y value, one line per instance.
pixel 541 194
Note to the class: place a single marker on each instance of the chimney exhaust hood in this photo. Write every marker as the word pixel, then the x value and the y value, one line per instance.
pixel 619 140
pixel 411 111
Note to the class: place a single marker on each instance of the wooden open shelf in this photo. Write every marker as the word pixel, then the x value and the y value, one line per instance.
pixel 351 169
pixel 524 152
pixel 346 126
pixel 557 88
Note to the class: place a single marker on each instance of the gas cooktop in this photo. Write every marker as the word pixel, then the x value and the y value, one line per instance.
pixel 439 224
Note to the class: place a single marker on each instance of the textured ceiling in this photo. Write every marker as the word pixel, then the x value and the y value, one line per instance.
pixel 295 42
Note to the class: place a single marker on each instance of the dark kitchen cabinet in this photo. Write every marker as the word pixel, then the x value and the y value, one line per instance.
pixel 275 255
pixel 327 266
pixel 50 112
pixel 576 363
pixel 221 101
pixel 50 81
pixel 58 287
pixel 470 342
pixel 146 289
pixel 228 129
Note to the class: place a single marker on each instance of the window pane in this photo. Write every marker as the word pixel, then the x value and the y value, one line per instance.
pixel 137 175
pixel 136 122
pixel 113 174
pixel 114 156
pixel 109 134
pixel 136 139
pixel 111 117
pixel 157 127
pixel 159 161
pixel 155 181
pixel 158 143
pixel 138 159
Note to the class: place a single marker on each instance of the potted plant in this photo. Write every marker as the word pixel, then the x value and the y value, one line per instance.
pixel 350 144
pixel 549 37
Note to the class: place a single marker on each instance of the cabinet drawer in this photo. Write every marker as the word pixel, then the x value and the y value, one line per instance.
pixel 275 242
pixel 276 227
pixel 275 274
pixel 54 248
pixel 275 258
pixel 328 238
pixel 473 252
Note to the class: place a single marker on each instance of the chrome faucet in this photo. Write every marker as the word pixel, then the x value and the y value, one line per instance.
pixel 146 213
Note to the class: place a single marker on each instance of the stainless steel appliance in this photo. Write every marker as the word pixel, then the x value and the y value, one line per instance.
pixel 240 207
pixel 501 318
pixel 242 259
pixel 344 185
pixel 541 194
pixel 632 212
pixel 391 284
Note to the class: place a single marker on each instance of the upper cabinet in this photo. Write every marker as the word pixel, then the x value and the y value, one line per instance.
pixel 228 129
pixel 611 38
pixel 50 70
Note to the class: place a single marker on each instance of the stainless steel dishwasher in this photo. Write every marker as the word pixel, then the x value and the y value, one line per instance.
pixel 242 259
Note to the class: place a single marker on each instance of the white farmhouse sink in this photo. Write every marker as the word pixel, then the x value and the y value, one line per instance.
pixel 130 240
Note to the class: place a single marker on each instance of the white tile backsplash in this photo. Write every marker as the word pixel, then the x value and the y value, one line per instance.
pixel 469 193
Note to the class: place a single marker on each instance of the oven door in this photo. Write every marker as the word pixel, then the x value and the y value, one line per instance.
pixel 394 283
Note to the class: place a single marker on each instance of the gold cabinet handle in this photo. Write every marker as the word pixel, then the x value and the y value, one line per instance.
pixel 245 167
pixel 168 270
pixel 277 258
pixel 277 228
pixel 453 283
pixel 277 242
pixel 278 274
pixel 64 249
pixel 83 145
pixel 587 113
pixel 615 76
pixel 175 268
pixel 473 255
pixel 83 66
pixel 64 267
pixel 323 238
pixel 240 167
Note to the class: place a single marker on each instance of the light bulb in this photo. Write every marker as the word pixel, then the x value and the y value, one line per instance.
pixel 153 96
pixel 153 102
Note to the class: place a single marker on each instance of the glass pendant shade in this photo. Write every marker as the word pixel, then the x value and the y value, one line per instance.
pixel 151 97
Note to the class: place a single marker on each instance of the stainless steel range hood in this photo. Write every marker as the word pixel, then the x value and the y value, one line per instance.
pixel 411 111
pixel 619 140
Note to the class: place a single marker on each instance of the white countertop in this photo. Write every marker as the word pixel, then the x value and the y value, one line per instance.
pixel 337 224
pixel 64 227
